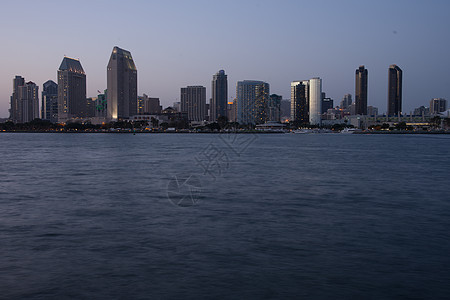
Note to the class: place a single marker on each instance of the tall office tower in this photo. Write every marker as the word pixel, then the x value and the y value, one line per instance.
pixel 219 98
pixel 437 105
pixel 395 75
pixel 299 102
pixel 15 111
pixel 261 104
pixel 274 108
pixel 361 91
pixel 285 109
pixel 29 102
pixel 49 108
pixel 315 101
pixel 71 90
pixel 193 102
pixel 346 101
pixel 232 111
pixel 327 103
pixel 122 85
pixel 101 106
pixel 251 98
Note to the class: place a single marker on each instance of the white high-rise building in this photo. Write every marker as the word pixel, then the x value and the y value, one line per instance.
pixel 315 101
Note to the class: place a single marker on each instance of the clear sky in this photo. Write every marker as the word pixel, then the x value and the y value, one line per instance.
pixel 180 43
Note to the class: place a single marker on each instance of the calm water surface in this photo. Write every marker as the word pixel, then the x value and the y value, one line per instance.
pixel 224 216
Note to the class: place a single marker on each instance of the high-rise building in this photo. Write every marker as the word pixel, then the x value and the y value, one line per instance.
pixel 299 102
pixel 372 110
pixel 327 103
pixel 232 111
pixel 285 109
pixel 71 90
pixel 101 106
pixel 261 104
pixel 315 101
pixel 274 108
pixel 437 105
pixel 395 75
pixel 252 97
pixel 361 91
pixel 28 102
pixel 148 105
pixel 193 102
pixel 122 85
pixel 49 107
pixel 219 97
pixel 346 101
pixel 15 112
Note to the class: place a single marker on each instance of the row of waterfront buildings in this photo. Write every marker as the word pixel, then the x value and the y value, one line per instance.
pixel 66 100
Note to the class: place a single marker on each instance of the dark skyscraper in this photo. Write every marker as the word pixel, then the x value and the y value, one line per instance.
pixel 49 109
pixel 299 102
pixel 274 108
pixel 122 85
pixel 193 102
pixel 71 90
pixel 361 91
pixel 395 75
pixel 219 99
pixel 15 114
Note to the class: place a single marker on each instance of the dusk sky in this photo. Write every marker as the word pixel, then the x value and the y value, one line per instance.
pixel 180 43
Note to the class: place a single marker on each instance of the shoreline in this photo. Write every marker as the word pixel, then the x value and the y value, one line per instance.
pixel 224 132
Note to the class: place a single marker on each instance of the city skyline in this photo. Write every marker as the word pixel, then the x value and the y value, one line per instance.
pixel 332 52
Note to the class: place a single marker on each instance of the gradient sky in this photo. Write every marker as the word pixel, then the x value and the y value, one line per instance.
pixel 180 43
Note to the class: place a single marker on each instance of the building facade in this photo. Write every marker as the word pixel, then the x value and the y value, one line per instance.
pixel 315 101
pixel 361 81
pixel 437 105
pixel 327 103
pixel 193 102
pixel 28 102
pixel 49 107
pixel 122 95
pixel 15 112
pixel 71 90
pixel 346 101
pixel 395 75
pixel 274 108
pixel 252 97
pixel 219 96
pixel 299 102
pixel 148 105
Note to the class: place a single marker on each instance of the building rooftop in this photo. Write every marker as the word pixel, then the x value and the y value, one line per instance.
pixel 72 65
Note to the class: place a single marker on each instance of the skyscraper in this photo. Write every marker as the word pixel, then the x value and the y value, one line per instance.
pixel 437 105
pixel 252 97
pixel 219 97
pixel 361 91
pixel 327 103
pixel 395 75
pixel 274 108
pixel 29 102
pixel 71 90
pixel 193 102
pixel 15 112
pixel 49 109
pixel 122 85
pixel 346 101
pixel 315 101
pixel 299 102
